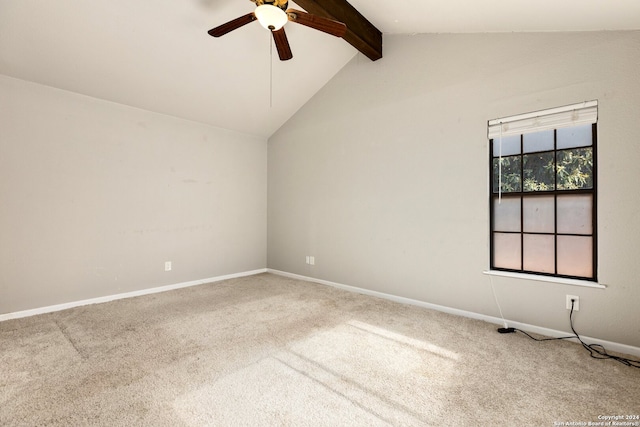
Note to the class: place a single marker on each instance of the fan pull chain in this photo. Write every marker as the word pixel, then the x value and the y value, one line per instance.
pixel 270 71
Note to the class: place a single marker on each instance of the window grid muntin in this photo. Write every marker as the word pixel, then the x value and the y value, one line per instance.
pixel 522 194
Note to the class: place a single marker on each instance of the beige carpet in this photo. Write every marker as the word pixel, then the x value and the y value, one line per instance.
pixel 266 351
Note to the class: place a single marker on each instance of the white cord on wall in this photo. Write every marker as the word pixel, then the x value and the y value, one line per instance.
pixel 497 303
pixel 499 172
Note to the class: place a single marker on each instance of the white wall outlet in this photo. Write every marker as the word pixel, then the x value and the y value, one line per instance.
pixel 167 266
pixel 576 303
pixel 307 259
pixel 312 260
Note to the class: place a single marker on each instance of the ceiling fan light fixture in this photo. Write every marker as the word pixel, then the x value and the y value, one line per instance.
pixel 271 17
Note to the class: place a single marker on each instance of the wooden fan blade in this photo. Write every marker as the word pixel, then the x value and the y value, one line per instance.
pixel 329 26
pixel 232 25
pixel 282 44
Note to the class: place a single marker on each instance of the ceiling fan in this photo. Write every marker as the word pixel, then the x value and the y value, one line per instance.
pixel 272 15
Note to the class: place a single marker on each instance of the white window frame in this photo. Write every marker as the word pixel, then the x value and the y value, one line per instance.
pixel 567 116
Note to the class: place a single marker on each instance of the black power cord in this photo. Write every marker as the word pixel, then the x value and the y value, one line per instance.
pixel 596 351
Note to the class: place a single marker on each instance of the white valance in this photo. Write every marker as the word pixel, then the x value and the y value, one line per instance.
pixel 570 115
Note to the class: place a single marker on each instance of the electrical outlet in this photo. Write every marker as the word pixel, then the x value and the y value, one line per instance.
pixel 167 266
pixel 312 260
pixel 576 304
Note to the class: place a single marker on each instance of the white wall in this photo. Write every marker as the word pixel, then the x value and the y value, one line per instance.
pixel 383 175
pixel 96 196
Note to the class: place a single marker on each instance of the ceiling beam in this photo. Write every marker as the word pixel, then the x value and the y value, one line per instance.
pixel 361 33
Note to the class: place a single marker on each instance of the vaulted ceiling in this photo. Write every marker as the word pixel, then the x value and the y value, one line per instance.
pixel 156 54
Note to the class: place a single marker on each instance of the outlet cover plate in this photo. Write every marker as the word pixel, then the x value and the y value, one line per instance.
pixel 576 306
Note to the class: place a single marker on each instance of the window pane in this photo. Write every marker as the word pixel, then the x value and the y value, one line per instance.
pixel 575 169
pixel 575 214
pixel 510 145
pixel 538 141
pixel 575 256
pixel 538 171
pixel 506 214
pixel 510 174
pixel 538 214
pixel 576 136
pixel 506 251
pixel 539 253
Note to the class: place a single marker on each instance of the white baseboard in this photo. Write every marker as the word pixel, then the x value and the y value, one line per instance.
pixel 58 307
pixel 611 346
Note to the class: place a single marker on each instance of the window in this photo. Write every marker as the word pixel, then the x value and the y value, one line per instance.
pixel 543 192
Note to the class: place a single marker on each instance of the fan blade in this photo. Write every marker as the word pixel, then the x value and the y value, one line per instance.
pixel 232 25
pixel 329 26
pixel 282 44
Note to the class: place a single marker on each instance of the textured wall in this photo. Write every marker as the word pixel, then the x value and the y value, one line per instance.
pixel 383 175
pixel 96 196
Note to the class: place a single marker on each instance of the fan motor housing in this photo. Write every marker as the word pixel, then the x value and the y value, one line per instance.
pixel 282 4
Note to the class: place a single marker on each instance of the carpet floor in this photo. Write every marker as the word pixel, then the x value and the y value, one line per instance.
pixel 266 350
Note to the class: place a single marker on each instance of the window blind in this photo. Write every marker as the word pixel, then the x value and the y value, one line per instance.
pixel 570 115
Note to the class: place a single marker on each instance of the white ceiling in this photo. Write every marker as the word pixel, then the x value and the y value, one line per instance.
pixel 157 55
